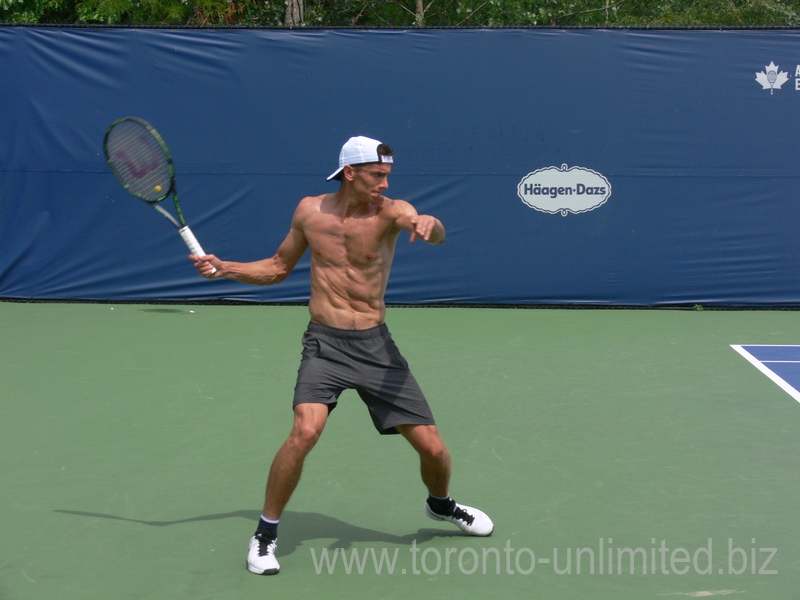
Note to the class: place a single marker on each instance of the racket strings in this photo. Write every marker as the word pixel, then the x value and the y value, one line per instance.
pixel 139 161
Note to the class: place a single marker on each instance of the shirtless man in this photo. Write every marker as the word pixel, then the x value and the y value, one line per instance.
pixel 352 236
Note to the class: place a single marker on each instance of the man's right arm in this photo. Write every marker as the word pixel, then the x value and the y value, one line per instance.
pixel 261 272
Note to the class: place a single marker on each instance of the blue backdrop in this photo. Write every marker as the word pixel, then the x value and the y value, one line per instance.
pixel 569 166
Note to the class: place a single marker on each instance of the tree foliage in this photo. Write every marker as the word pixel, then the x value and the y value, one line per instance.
pixel 407 13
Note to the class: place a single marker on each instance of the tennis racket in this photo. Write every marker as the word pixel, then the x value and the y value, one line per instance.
pixel 141 162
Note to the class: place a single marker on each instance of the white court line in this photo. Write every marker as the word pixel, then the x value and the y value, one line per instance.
pixel 766 371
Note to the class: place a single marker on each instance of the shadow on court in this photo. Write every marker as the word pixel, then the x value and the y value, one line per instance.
pixel 300 527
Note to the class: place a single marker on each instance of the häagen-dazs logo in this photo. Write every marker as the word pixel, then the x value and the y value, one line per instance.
pixel 564 190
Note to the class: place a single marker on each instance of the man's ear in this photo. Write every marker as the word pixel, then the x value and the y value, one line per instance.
pixel 348 172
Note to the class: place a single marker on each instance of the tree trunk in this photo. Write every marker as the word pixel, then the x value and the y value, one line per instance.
pixel 294 13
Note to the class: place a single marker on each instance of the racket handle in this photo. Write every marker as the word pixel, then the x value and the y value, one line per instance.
pixel 192 243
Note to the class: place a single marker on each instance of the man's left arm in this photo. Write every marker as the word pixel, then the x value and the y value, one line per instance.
pixel 423 227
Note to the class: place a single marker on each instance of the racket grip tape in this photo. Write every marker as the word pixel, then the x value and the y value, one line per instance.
pixel 192 243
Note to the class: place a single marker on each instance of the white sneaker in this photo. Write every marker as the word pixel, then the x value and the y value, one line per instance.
pixel 261 557
pixel 469 520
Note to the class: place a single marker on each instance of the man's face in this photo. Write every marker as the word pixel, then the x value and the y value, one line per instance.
pixel 371 179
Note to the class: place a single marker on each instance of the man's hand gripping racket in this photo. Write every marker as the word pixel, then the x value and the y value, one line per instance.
pixel 141 162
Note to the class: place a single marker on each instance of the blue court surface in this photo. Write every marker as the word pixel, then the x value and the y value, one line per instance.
pixel 780 363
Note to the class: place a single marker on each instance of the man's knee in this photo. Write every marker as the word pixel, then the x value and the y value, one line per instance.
pixel 305 435
pixel 309 421
pixel 435 451
pixel 427 442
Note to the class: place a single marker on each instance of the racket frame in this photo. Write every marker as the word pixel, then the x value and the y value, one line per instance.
pixel 180 223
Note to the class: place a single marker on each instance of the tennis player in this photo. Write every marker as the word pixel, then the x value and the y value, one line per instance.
pixel 351 235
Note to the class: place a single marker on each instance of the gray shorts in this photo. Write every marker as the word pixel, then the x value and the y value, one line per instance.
pixel 364 360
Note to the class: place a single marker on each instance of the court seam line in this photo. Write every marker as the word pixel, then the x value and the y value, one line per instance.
pixel 788 362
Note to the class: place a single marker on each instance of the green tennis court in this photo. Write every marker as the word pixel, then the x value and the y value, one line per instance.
pixel 623 454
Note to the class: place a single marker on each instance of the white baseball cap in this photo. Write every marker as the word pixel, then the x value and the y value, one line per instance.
pixel 359 150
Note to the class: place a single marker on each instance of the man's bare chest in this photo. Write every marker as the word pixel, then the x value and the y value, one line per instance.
pixel 352 240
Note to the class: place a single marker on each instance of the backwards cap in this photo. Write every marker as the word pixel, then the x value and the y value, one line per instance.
pixel 358 151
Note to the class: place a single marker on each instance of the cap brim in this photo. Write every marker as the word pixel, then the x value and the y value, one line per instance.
pixel 337 174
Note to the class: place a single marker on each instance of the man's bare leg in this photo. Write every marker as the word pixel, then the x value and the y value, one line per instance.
pixel 284 475
pixel 435 470
pixel 287 466
pixel 434 458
